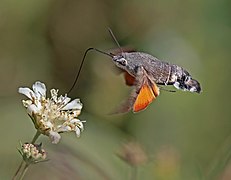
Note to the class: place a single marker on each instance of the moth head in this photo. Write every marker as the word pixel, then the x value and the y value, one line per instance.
pixel 127 62
pixel 120 61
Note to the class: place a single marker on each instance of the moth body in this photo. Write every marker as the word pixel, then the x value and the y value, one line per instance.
pixel 160 72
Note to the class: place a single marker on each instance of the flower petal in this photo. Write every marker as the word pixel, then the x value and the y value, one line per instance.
pixel 77 131
pixel 78 123
pixel 27 92
pixel 54 137
pixel 64 129
pixel 39 89
pixel 75 104
pixel 32 109
pixel 65 100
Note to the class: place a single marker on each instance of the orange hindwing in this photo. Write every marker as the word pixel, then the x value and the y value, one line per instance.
pixel 146 95
pixel 130 80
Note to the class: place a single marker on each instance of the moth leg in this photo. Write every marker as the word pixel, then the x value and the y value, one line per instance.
pixel 161 88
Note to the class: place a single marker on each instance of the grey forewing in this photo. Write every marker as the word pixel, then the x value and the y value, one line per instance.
pixel 160 71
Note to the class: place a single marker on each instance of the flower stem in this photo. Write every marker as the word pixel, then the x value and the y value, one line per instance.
pixel 24 171
pixel 16 173
pixel 35 137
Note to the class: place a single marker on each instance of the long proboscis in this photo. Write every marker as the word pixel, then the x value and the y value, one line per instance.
pixel 81 65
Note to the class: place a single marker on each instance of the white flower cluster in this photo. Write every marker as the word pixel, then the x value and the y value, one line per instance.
pixel 52 116
pixel 32 153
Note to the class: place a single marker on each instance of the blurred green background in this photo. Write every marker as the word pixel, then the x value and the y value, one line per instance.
pixel 185 135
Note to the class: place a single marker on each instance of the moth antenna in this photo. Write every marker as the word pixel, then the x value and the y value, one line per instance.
pixel 167 90
pixel 81 65
pixel 115 40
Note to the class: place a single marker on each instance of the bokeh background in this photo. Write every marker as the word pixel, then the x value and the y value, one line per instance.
pixel 184 135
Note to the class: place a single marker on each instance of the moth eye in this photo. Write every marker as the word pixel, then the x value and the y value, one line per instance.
pixel 123 62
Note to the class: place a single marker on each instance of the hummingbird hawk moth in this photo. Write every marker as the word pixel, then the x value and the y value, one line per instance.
pixel 145 72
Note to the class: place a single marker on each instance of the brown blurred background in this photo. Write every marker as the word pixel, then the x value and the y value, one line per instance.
pixel 185 135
